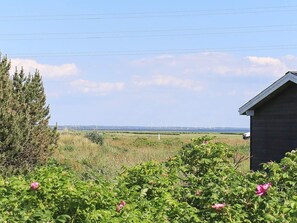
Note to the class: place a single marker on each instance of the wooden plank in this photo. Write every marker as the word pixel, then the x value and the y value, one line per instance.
pixel 274 128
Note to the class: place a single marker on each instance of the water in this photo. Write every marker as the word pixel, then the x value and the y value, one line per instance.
pixel 154 129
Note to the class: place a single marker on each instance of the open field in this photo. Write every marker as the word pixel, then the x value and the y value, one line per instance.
pixel 125 149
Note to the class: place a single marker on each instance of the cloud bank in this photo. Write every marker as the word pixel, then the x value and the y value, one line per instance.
pixel 168 81
pixel 97 88
pixel 218 63
pixel 46 70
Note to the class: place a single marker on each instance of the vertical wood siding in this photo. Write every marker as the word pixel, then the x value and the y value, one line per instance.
pixel 274 127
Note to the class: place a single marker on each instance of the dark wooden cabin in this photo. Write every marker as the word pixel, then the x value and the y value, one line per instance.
pixel 273 121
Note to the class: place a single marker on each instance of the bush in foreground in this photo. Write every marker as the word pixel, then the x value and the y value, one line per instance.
pixel 59 197
pixel 200 184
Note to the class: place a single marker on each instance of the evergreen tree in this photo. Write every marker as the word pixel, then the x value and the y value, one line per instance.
pixel 6 109
pixel 42 137
pixel 25 136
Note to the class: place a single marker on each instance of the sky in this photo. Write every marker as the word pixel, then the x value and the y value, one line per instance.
pixel 150 63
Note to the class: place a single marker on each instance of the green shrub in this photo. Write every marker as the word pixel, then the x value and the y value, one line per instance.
pixel 202 178
pixel 143 141
pixel 61 197
pixel 69 148
pixel 200 184
pixel 172 142
pixel 96 137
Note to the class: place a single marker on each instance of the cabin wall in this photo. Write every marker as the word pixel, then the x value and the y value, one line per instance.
pixel 274 128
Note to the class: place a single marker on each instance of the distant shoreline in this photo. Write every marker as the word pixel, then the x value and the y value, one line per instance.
pixel 154 129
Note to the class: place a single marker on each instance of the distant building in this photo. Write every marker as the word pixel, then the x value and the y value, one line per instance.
pixel 273 121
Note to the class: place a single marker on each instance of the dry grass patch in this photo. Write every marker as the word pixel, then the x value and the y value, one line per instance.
pixel 126 149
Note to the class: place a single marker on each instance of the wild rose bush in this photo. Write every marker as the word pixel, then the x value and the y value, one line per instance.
pixel 204 185
pixel 200 184
pixel 54 194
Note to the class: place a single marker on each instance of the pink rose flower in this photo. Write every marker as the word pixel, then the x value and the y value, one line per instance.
pixel 218 206
pixel 198 193
pixel 34 186
pixel 262 189
pixel 123 203
pixel 120 206
pixel 205 142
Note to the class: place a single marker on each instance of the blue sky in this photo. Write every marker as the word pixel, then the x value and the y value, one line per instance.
pixel 151 63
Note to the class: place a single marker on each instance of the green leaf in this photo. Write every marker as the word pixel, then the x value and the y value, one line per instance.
pixel 269 217
pixel 63 218
pixel 143 192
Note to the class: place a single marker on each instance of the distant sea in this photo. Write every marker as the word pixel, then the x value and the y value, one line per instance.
pixel 154 129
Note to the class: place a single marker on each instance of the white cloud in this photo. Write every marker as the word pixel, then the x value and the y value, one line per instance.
pixel 218 63
pixel 170 81
pixel 46 70
pixel 264 61
pixel 97 88
pixel 267 65
pixel 201 63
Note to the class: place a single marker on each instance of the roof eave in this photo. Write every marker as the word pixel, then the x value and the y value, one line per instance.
pixel 269 90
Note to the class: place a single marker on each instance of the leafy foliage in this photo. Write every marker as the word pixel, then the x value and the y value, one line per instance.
pixel 61 197
pixel 25 137
pixel 96 137
pixel 200 184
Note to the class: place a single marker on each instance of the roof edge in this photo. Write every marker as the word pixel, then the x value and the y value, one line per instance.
pixel 289 76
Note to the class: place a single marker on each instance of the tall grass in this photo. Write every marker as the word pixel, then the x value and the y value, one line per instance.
pixel 126 149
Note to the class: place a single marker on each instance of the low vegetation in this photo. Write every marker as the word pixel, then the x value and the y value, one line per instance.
pixel 95 137
pixel 198 184
pixel 128 149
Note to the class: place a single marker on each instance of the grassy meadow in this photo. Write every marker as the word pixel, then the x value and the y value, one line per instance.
pixel 125 149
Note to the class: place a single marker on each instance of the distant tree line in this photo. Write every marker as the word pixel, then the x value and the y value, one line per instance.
pixel 25 136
